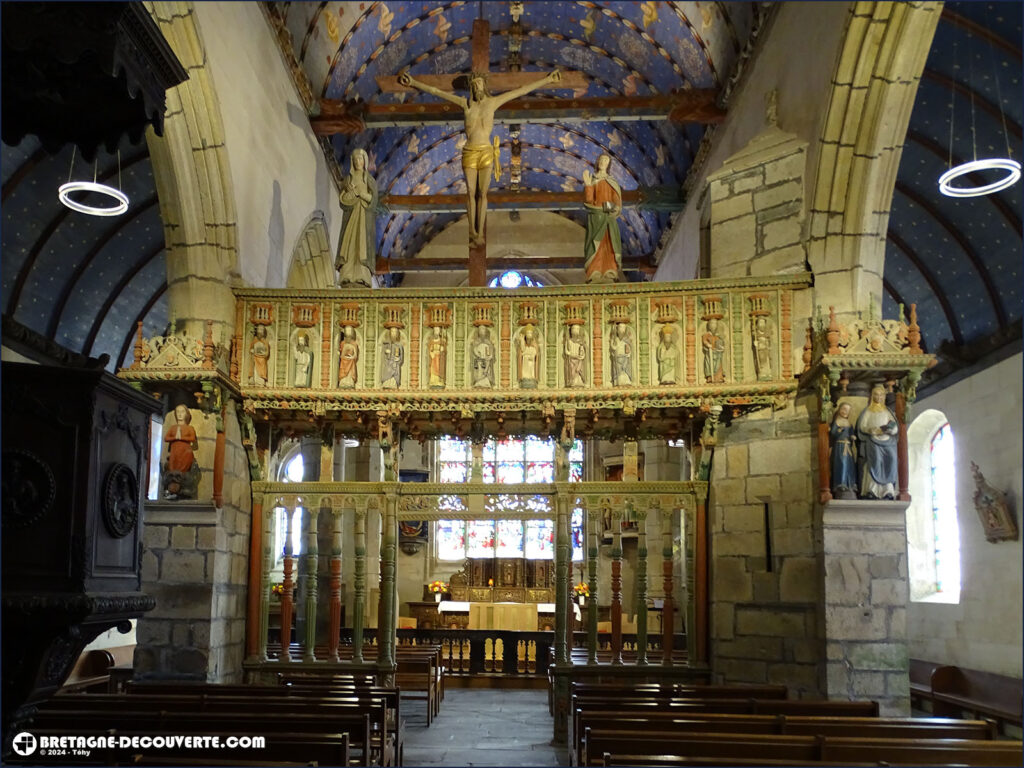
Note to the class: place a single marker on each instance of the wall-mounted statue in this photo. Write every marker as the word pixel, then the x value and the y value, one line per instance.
pixel 575 356
pixel 348 373
pixel 181 470
pixel 483 358
pixel 479 156
pixel 667 356
pixel 303 356
pixel 603 246
pixel 392 355
pixel 713 343
pixel 876 436
pixel 259 351
pixel 761 341
pixel 437 350
pixel 844 459
pixel 620 347
pixel 356 250
pixel 529 359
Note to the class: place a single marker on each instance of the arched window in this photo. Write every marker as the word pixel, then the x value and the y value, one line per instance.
pixel 514 279
pixel 291 471
pixel 933 532
pixel 529 460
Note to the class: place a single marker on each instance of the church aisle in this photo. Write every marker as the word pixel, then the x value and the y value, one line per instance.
pixel 482 727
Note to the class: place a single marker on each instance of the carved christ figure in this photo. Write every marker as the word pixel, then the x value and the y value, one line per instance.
pixel 479 156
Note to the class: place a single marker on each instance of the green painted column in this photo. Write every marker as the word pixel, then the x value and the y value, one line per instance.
pixel 641 589
pixel 268 564
pixel 388 554
pixel 359 606
pixel 593 521
pixel 563 555
pixel 311 559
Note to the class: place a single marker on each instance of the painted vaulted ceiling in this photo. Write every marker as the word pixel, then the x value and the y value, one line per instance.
pixel 85 281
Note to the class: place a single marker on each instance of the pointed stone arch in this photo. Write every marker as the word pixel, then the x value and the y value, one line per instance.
pixel 311 262
pixel 883 53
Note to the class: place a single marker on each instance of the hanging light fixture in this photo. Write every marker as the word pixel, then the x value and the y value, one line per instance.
pixel 70 187
pixel 1007 164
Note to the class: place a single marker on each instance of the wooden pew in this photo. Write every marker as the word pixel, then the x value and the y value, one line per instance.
pixel 799 749
pixel 194 715
pixel 281 747
pixel 956 690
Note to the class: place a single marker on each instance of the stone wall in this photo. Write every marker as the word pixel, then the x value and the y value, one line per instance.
pixel 195 564
pixel 765 561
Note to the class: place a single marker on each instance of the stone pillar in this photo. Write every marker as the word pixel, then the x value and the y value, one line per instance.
pixel 865 597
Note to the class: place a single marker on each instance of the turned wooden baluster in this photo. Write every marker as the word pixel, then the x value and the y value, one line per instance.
pixel 334 620
pixel 268 564
pixel 593 523
pixel 668 610
pixel 312 566
pixel 616 606
pixel 360 587
pixel 641 590
pixel 288 595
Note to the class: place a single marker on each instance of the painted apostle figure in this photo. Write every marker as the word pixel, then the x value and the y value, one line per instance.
pixel 483 358
pixel 602 249
pixel 714 354
pixel 349 350
pixel 392 355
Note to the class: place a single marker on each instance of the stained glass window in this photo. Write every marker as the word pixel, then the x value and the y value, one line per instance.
pixel 529 460
pixel 947 531
pixel 512 278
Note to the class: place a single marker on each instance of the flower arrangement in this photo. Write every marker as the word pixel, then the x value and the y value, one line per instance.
pixel 438 587
pixel 581 590
pixel 277 590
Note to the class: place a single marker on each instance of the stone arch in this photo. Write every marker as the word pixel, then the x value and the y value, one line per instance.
pixel 190 166
pixel 311 262
pixel 883 53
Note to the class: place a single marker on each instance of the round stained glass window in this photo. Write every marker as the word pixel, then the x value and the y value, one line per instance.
pixel 514 279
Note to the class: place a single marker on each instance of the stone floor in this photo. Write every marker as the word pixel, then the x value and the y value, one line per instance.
pixel 482 727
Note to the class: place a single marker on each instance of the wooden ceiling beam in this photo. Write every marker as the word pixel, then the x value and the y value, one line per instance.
pixel 649 198
pixel 642 264
pixel 689 106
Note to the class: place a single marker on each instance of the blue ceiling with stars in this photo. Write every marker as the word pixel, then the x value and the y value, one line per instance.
pixel 959 259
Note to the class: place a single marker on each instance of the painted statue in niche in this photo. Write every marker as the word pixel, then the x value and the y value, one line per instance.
pixel 479 155
pixel 667 357
pixel 483 358
pixel 761 340
pixel 259 352
pixel 713 343
pixel 602 249
pixel 844 459
pixel 876 437
pixel 303 357
pixel 392 355
pixel 348 374
pixel 529 359
pixel 356 251
pixel 620 346
pixel 181 470
pixel 575 356
pixel 437 351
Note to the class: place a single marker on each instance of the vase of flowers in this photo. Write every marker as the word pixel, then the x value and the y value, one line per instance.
pixel 277 590
pixel 582 592
pixel 438 589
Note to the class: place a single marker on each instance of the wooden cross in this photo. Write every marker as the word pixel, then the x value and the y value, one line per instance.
pixel 501 82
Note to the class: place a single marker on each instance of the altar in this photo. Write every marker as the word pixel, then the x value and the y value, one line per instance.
pixel 459 614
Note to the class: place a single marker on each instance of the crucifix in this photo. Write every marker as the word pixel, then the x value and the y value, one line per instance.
pixel 480 155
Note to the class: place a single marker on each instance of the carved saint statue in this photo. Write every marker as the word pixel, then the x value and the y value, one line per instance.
pixel 356 251
pixel 575 355
pixel 620 345
pixel 392 355
pixel 529 359
pixel 181 473
pixel 303 356
pixel 479 156
pixel 349 350
pixel 259 350
pixel 483 358
pixel 714 353
pixel 876 437
pixel 603 246
pixel 667 357
pixel 761 340
pixel 437 350
pixel 843 461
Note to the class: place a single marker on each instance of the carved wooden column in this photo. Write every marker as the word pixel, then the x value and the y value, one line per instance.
pixel 267 558
pixel 902 460
pixel 389 549
pixel 668 608
pixel 701 576
pixel 616 604
pixel 359 600
pixel 334 620
pixel 312 561
pixel 593 521
pixel 257 595
pixel 641 589
pixel 563 559
pixel 288 595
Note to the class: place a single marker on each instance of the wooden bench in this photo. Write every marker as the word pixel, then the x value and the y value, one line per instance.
pixel 799 749
pixel 956 690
